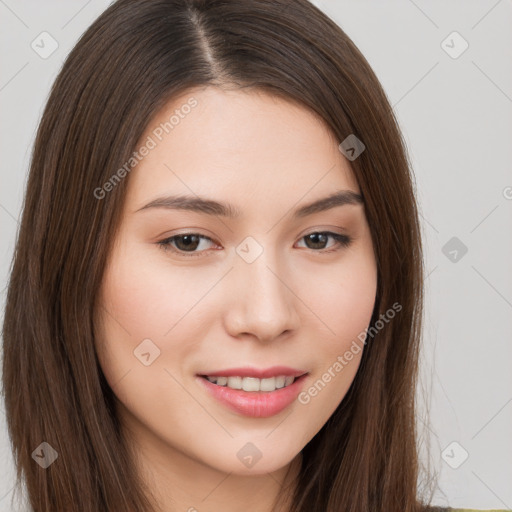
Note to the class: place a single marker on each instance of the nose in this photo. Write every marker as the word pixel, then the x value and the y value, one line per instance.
pixel 262 301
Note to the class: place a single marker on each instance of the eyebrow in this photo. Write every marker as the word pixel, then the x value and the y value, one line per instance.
pixel 211 207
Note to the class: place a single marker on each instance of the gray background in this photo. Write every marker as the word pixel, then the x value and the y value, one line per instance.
pixel 455 112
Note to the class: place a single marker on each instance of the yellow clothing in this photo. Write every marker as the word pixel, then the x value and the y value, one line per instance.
pixel 448 509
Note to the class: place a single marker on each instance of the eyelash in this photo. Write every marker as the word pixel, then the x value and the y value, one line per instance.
pixel 343 241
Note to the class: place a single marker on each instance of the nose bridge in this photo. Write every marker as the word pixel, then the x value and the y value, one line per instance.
pixel 262 303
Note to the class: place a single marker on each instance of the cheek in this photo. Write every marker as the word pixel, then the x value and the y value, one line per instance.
pixel 342 296
pixel 343 304
pixel 352 300
pixel 147 298
pixel 142 301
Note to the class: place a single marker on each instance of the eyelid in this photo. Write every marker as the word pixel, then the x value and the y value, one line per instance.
pixel 342 241
pixel 165 244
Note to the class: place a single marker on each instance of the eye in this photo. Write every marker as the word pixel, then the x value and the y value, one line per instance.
pixel 186 244
pixel 319 238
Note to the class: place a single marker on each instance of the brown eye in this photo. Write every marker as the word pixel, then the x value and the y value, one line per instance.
pixel 318 240
pixel 184 243
pixel 187 242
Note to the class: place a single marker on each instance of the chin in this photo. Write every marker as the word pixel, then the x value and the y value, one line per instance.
pixel 256 457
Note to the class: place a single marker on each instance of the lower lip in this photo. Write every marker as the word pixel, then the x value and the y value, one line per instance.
pixel 256 404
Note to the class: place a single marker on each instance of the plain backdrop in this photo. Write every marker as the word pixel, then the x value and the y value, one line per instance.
pixel 446 68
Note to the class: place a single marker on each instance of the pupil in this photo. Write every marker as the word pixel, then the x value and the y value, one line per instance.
pixel 315 237
pixel 191 243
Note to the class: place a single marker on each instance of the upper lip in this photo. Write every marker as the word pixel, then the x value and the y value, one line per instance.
pixel 249 371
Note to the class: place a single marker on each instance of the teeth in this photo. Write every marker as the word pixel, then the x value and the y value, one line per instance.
pixel 280 381
pixel 268 384
pixel 234 382
pixel 252 383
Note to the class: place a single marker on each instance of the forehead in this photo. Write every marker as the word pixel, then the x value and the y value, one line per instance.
pixel 231 144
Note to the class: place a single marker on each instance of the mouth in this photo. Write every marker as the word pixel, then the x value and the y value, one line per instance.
pixel 252 384
pixel 251 395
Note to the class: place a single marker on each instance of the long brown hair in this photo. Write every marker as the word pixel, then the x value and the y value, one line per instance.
pixel 132 60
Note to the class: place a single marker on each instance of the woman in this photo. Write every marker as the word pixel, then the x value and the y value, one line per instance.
pixel 216 296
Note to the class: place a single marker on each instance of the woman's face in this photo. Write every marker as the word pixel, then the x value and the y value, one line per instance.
pixel 269 291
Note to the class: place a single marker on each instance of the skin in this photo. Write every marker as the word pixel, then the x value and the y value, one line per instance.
pixel 295 305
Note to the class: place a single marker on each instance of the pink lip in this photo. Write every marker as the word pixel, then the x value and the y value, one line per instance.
pixel 257 404
pixel 249 371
